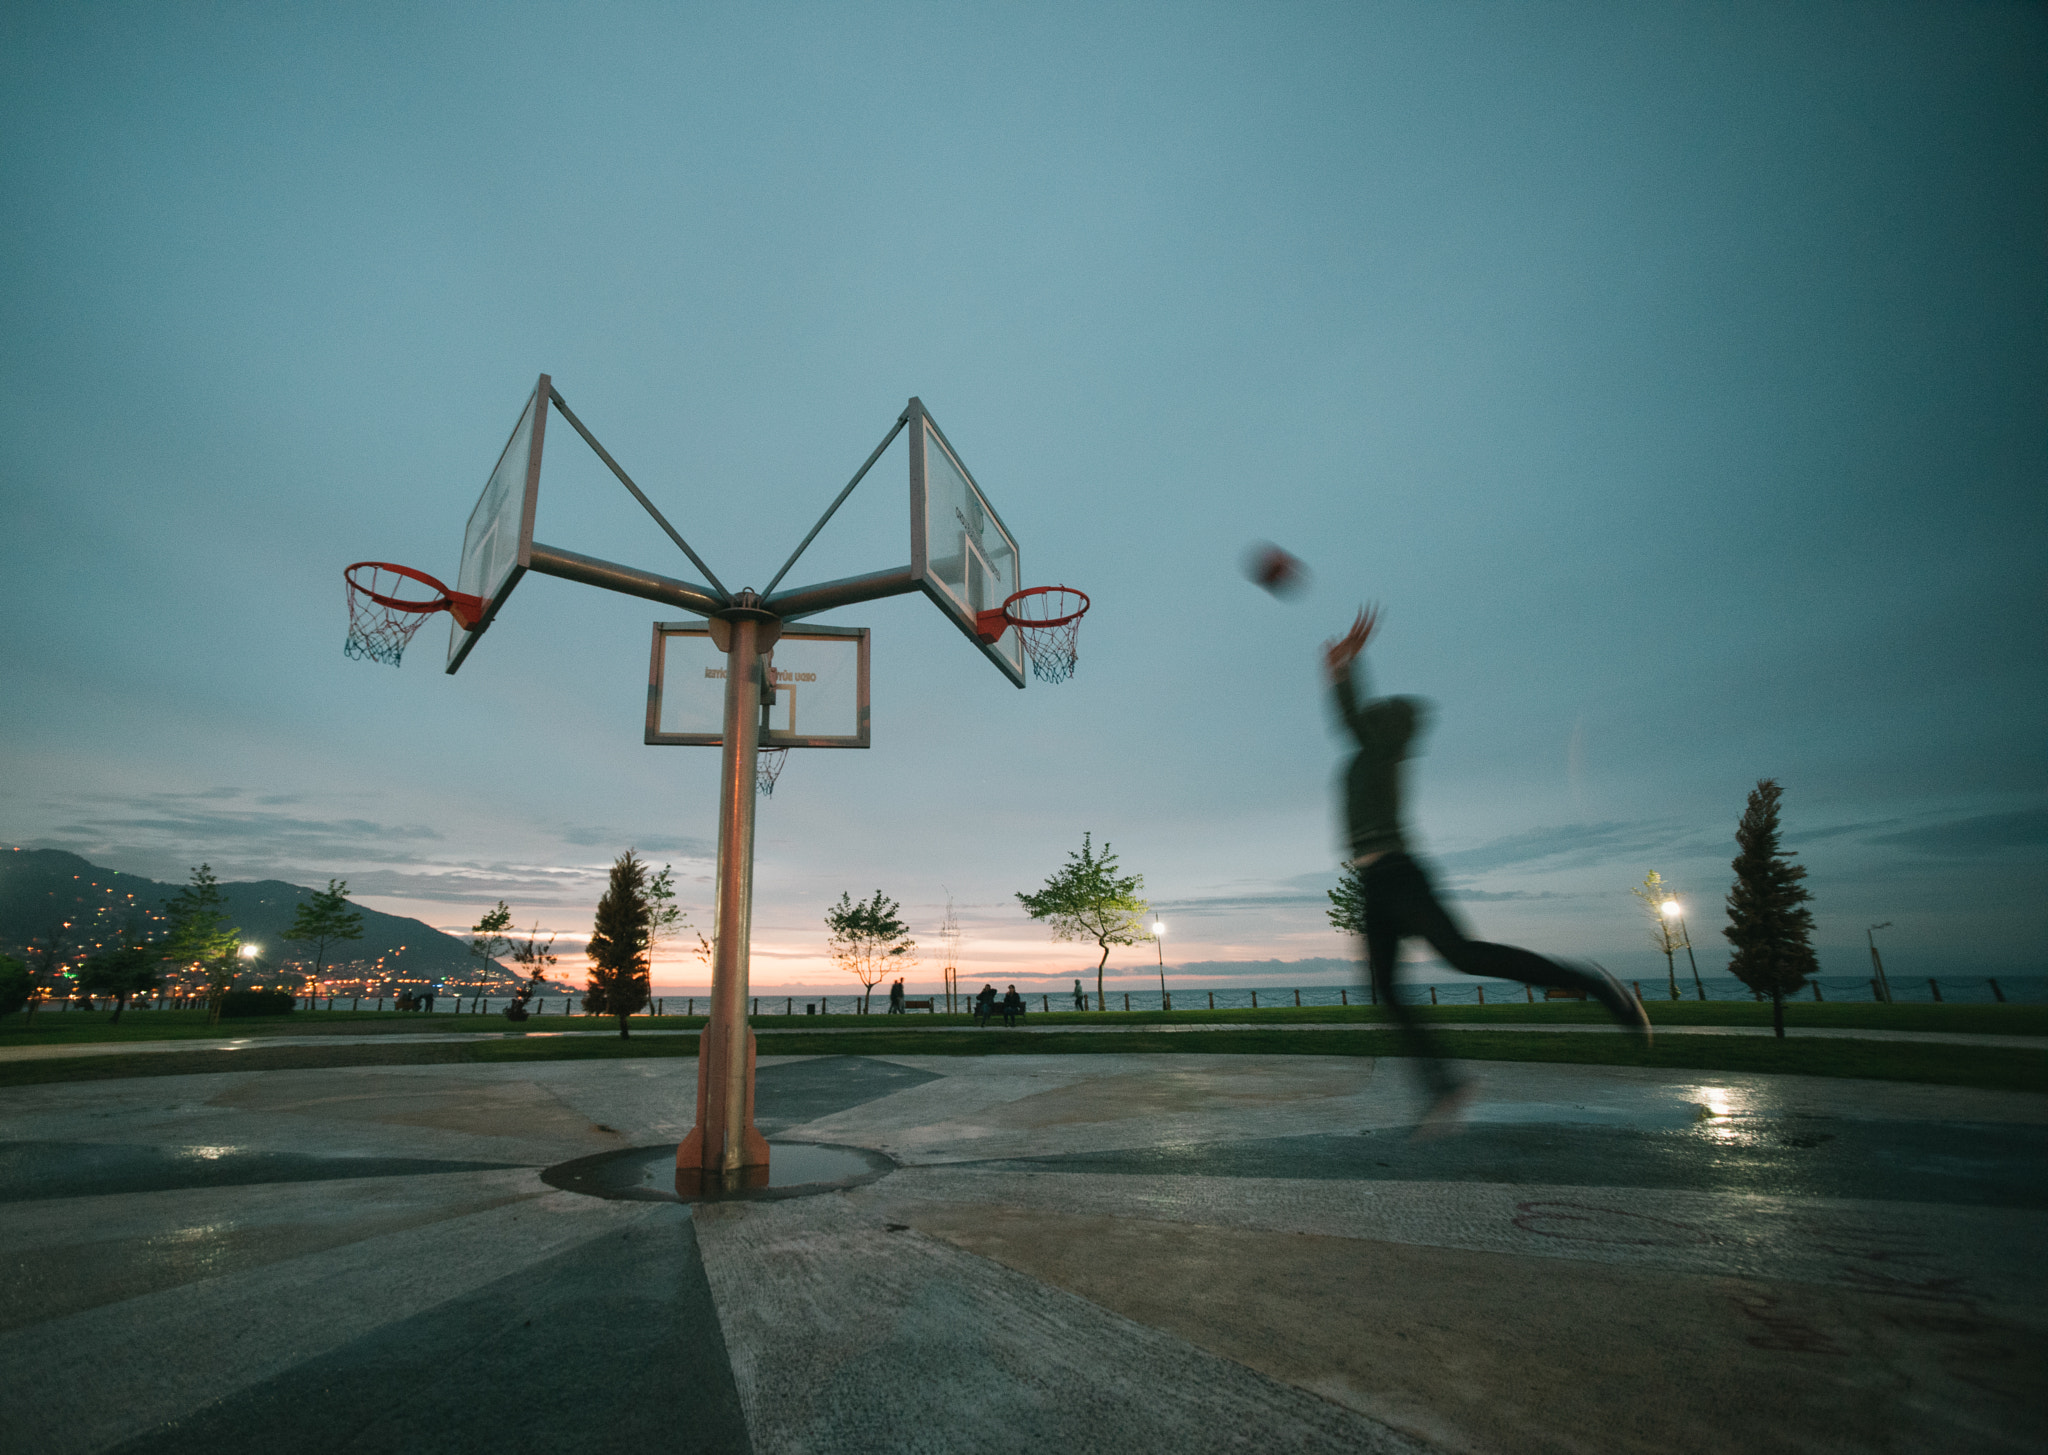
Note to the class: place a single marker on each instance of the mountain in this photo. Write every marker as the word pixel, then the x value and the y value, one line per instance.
pixel 46 892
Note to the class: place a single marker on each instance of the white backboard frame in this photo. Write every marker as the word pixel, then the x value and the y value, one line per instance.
pixel 793 633
pixel 994 540
pixel 513 490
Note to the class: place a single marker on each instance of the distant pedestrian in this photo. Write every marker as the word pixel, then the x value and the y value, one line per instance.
pixel 1080 997
pixel 1400 901
pixel 896 998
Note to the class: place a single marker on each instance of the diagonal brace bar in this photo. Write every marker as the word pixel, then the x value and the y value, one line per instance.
pixel 858 475
pixel 626 480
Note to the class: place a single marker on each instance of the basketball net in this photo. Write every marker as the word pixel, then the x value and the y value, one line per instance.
pixel 381 622
pixel 767 768
pixel 1048 620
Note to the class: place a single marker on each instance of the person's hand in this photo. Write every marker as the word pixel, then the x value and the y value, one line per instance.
pixel 1338 655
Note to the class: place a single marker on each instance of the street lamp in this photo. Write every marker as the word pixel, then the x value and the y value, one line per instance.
pixel 1158 944
pixel 1877 961
pixel 1674 910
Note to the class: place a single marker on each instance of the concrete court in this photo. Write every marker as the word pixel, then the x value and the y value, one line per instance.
pixel 1133 1253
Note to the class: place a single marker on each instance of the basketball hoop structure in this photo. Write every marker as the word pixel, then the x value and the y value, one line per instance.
pixel 381 622
pixel 716 684
pixel 1047 619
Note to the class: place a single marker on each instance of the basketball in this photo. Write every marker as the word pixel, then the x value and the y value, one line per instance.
pixel 1274 570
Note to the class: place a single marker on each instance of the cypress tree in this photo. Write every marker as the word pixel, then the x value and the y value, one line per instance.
pixel 1767 921
pixel 620 942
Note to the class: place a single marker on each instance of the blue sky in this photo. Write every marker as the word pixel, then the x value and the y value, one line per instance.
pixel 1672 374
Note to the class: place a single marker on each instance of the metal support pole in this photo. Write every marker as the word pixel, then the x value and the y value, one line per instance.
pixel 723 1149
pixel 1877 961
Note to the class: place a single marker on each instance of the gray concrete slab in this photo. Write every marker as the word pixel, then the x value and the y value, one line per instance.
pixel 1158 1252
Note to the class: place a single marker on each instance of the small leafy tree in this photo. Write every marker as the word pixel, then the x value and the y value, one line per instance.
pixel 122 972
pixel 490 937
pixel 621 939
pixel 1767 921
pixel 1666 933
pixel 1347 910
pixel 1347 901
pixel 322 920
pixel 1089 900
pixel 869 939
pixel 534 956
pixel 668 918
pixel 201 936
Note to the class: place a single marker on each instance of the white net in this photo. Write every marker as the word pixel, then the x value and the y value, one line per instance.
pixel 381 622
pixel 1049 621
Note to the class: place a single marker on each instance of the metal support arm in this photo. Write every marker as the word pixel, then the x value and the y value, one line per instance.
pixel 553 561
pixel 810 600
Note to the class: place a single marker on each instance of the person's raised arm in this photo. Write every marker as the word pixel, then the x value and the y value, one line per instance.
pixel 1340 665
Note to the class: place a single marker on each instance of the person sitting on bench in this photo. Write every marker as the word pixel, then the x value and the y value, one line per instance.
pixel 1012 1007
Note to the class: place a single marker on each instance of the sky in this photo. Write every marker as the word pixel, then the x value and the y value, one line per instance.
pixel 1672 375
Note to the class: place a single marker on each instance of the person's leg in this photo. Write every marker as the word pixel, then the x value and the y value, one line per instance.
pixel 1386 923
pixel 1431 921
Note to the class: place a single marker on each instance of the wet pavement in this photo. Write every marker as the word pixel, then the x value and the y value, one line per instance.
pixel 1129 1253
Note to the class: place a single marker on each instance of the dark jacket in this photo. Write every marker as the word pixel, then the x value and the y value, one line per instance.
pixel 1385 729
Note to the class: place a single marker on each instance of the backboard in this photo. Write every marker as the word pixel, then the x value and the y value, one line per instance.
pixel 961 553
pixel 497 546
pixel 818 698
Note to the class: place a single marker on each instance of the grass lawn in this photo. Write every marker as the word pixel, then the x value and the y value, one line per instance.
pixel 65 1028
pixel 1988 1067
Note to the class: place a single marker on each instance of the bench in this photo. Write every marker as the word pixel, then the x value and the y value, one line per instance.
pixel 1556 994
pixel 919 1005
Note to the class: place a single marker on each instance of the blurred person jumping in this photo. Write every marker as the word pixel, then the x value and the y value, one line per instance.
pixel 1401 902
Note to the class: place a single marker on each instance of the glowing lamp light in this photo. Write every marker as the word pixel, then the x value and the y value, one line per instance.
pixel 1671 909
pixel 249 951
pixel 1158 928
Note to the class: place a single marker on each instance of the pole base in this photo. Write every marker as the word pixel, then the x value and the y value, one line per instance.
pixel 702 1154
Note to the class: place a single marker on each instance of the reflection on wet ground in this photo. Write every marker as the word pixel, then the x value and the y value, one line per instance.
pixel 648 1174
pixel 1792 1156
pixel 32 1170
pixel 1158 1252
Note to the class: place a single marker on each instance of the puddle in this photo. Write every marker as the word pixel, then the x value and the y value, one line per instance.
pixel 648 1174
pixel 1637 1114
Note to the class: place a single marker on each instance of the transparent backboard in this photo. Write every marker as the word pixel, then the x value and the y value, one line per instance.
pixel 498 542
pixel 961 553
pixel 819 696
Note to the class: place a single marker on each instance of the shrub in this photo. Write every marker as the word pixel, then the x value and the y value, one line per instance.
pixel 257 1002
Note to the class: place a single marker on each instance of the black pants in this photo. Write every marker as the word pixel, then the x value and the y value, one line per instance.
pixel 1401 903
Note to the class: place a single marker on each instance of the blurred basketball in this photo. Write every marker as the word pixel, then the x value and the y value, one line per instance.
pixel 1275 570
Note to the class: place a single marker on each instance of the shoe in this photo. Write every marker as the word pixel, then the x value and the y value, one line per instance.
pixel 1620 1004
pixel 1446 1115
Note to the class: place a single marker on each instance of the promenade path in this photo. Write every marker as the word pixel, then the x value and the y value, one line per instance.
pixel 240 1043
pixel 1129 1253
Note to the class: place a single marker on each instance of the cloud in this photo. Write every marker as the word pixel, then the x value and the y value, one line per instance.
pixel 1304 971
pixel 1222 903
pixel 1980 834
pixel 614 842
pixel 1568 846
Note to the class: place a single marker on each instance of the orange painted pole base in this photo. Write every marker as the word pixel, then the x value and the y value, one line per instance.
pixel 701 1163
